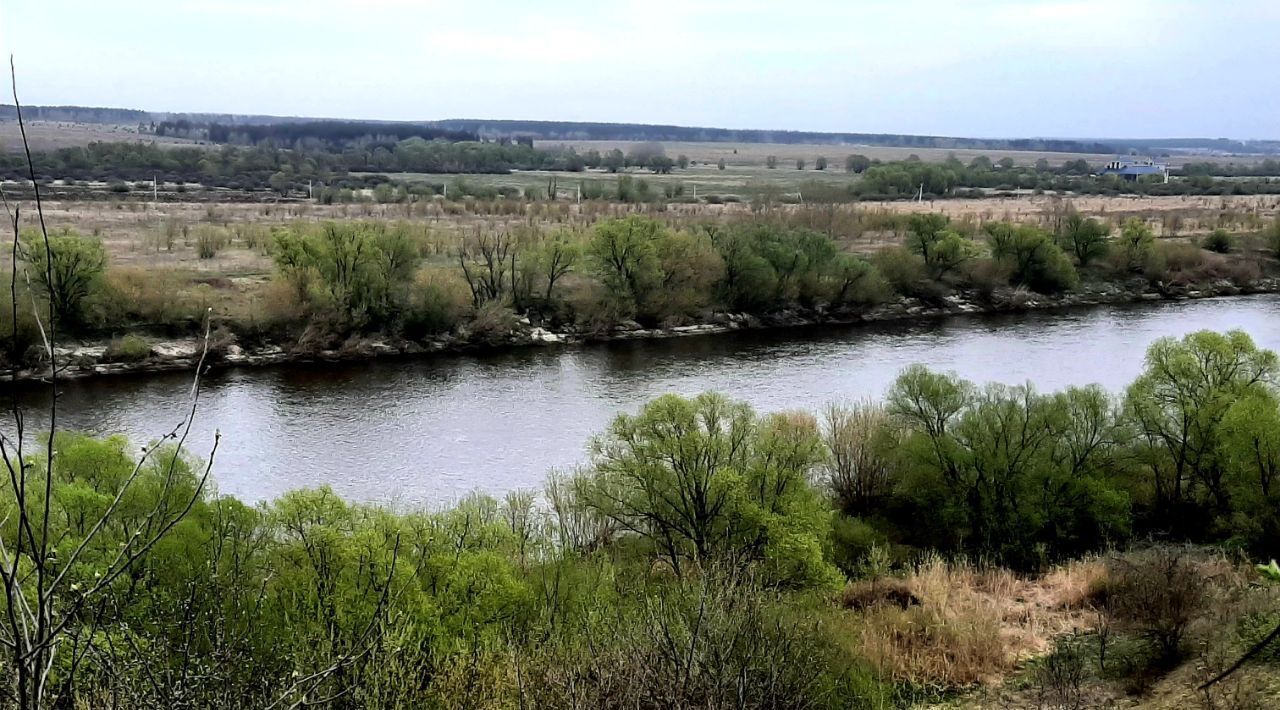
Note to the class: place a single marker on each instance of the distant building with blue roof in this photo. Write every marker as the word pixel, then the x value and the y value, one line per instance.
pixel 1134 169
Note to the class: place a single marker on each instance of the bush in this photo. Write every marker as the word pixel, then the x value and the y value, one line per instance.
pixel 1219 240
pixel 130 348
pixel 902 269
pixel 1031 256
pixel 1158 594
pixel 209 241
pixel 438 304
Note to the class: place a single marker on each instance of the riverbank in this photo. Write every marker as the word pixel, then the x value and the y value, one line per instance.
pixel 96 359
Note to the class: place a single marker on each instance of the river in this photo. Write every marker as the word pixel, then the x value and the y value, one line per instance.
pixel 427 431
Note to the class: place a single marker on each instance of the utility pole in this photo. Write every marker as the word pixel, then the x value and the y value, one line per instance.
pixel 309 196
pixel 155 189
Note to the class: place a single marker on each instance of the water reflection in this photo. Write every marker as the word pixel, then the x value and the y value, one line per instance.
pixel 428 431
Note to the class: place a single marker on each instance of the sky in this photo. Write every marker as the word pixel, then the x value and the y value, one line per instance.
pixel 984 68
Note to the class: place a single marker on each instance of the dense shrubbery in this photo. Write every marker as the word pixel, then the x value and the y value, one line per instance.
pixel 339 279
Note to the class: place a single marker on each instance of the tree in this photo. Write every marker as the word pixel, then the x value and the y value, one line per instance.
pixel 1085 237
pixel 720 164
pixel 943 250
pixel 556 257
pixel 771 162
pixel 1032 257
pixel 1178 407
pixel 1136 242
pixel 683 161
pixel 614 160
pixel 705 479
pixel 820 163
pixel 624 253
pixel 799 163
pixel 68 271
pixel 856 163
pixel 1006 472
pixel 748 279
pixel 1005 163
pixel 360 272
pixel 859 439
pixel 660 164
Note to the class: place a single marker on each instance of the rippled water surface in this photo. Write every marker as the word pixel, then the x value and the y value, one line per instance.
pixel 427 431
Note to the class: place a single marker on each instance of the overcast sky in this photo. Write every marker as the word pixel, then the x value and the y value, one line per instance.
pixel 1068 68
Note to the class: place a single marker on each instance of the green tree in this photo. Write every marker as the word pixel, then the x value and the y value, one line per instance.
pixel 856 163
pixel 771 162
pixel 614 160
pixel 1032 257
pixel 820 163
pixel 1136 242
pixel 705 479
pixel 1084 237
pixel 68 271
pixel 624 254
pixel 1177 407
pixel 943 250
pixel 361 273
pixel 1006 472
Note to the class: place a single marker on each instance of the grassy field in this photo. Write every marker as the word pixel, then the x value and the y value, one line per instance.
pixel 752 155
pixel 52 135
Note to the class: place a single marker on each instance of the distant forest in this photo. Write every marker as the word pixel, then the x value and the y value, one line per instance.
pixel 331 134
pixel 258 129
pixel 75 114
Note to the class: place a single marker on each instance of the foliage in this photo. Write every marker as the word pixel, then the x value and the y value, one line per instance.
pixel 1135 244
pixel 68 270
pixel 358 273
pixel 944 251
pixel 705 480
pixel 1085 238
pixel 1033 259
pixel 130 348
pixel 1219 241
pixel 1187 437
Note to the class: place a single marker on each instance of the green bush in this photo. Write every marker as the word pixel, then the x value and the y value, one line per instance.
pixel 130 348
pixel 1219 240
pixel 1031 256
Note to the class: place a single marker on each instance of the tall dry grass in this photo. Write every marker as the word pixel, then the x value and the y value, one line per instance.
pixel 970 624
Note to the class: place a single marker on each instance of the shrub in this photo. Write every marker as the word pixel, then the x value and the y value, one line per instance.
pixel 491 323
pixel 130 348
pixel 706 479
pixel 1158 594
pixel 438 303
pixel 134 295
pixel 209 241
pixel 358 273
pixel 900 268
pixel 1219 240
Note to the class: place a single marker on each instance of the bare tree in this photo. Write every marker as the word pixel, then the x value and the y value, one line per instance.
pixel 42 605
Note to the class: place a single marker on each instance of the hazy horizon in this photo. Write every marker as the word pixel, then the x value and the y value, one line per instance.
pixel 990 69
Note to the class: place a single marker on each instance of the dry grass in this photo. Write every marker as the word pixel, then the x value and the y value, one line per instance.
pixel 974 625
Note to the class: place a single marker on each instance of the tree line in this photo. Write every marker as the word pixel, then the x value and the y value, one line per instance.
pixel 341 279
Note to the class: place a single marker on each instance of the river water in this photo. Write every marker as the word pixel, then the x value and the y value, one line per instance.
pixel 427 431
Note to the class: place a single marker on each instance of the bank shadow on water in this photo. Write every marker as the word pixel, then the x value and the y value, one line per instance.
pixel 425 431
